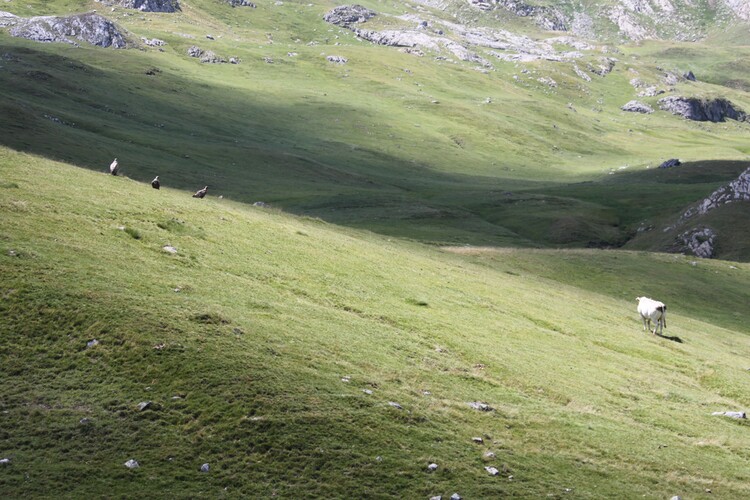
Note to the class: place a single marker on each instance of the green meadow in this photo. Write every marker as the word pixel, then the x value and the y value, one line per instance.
pixel 433 234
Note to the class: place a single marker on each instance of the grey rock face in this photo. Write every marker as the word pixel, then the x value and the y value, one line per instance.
pixel 91 28
pixel 637 107
pixel 699 241
pixel 148 5
pixel 737 190
pixel 715 110
pixel 346 15
pixel 8 19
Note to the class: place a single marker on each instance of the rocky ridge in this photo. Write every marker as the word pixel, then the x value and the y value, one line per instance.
pixel 737 190
pixel 692 108
pixel 147 5
pixel 89 27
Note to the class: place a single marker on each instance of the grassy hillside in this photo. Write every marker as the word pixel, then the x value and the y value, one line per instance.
pixel 409 146
pixel 256 340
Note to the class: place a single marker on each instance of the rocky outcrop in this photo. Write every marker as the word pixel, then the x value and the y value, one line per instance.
pixel 90 27
pixel 347 15
pixel 206 56
pixel 692 108
pixel 148 5
pixel 548 18
pixel 698 241
pixel 8 19
pixel 737 190
pixel 740 8
pixel 337 59
pixel 672 162
pixel 637 107
pixel 604 66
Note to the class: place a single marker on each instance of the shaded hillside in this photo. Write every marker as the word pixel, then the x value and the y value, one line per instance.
pixel 408 141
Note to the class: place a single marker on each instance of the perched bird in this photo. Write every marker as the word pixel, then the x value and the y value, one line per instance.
pixel 114 167
pixel 155 183
pixel 201 193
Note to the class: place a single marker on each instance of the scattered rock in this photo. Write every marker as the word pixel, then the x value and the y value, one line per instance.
pixel 346 379
pixel 693 108
pixel 210 37
pixel 234 60
pixel 492 471
pixel 396 405
pixel 438 497
pixel 604 67
pixel 144 405
pixel 730 414
pixel 261 204
pixel 477 405
pixel 4 461
pixel 477 440
pixel 89 27
pixel 367 391
pixel 153 42
pixel 489 454
pixel 432 467
pixel 242 3
pixel 170 249
pixel 346 15
pixel 637 107
pixel 92 343
pixel 132 464
pixel 337 59
pixel 456 496
pixel 689 76
pixel 676 497
pixel 84 421
pixel 673 162
pixel 204 468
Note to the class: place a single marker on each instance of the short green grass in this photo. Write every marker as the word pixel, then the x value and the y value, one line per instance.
pixel 256 340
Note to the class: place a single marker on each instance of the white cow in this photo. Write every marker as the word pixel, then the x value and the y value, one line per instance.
pixel 652 310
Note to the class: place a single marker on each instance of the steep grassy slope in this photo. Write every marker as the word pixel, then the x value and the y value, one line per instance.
pixel 404 145
pixel 242 338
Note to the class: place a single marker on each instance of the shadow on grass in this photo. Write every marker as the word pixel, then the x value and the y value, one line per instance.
pixel 673 339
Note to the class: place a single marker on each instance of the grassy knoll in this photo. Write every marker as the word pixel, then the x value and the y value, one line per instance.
pixel 241 340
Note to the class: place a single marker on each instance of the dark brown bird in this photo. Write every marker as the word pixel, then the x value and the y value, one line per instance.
pixel 155 183
pixel 114 167
pixel 201 193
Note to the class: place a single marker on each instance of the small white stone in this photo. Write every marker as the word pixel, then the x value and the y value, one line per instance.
pixel 169 249
pixel 132 464
pixel 395 405
pixel 204 468
pixel 492 471
pixel 455 496
pixel 92 343
pixel 489 454
pixel 4 461
pixel 367 391
pixel 143 405
pixel 477 440
pixel 432 467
